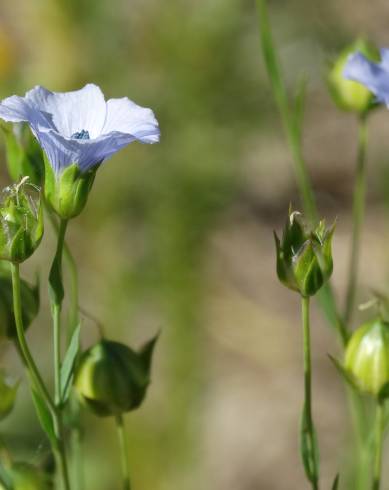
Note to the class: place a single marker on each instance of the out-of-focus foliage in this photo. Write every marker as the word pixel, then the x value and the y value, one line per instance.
pixel 143 240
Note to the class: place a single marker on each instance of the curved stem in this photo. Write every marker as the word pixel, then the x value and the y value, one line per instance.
pixel 358 215
pixel 35 375
pixel 123 451
pixel 379 430
pixel 310 430
pixel 27 356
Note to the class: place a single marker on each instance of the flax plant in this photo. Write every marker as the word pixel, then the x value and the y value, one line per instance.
pixel 353 97
pixel 76 132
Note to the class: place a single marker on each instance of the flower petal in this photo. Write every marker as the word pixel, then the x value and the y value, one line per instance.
pixel 72 112
pixel 372 75
pixel 124 116
pixel 384 53
pixel 18 109
pixel 62 151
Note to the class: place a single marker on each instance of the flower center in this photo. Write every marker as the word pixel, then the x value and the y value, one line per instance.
pixel 81 135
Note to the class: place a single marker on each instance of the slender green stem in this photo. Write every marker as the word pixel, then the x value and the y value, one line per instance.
pixel 123 451
pixel 292 125
pixel 27 356
pixel 291 128
pixel 314 470
pixel 73 407
pixel 74 316
pixel 358 215
pixel 56 313
pixel 56 307
pixel 379 431
pixel 36 378
pixel 291 115
pixel 72 268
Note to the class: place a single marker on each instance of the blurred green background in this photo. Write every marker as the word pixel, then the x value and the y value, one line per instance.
pixel 178 236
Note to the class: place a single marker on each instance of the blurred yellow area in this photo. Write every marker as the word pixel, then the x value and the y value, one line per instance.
pixel 7 53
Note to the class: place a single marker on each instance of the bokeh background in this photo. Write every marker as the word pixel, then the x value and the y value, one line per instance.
pixel 177 236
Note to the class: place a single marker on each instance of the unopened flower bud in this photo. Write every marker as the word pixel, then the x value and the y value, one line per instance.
pixel 25 476
pixel 30 304
pixel 367 356
pixel 21 222
pixel 67 191
pixel 23 154
pixel 112 379
pixel 8 390
pixel 304 257
pixel 349 95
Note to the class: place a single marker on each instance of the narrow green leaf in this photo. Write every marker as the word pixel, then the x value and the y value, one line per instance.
pixel 309 449
pixel 68 363
pixel 335 485
pixel 56 289
pixel 293 132
pixel 344 373
pixel 45 417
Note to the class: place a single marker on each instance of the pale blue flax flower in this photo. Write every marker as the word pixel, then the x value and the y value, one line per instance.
pixel 375 76
pixel 80 127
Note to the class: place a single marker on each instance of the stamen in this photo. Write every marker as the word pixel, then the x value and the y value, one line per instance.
pixel 81 135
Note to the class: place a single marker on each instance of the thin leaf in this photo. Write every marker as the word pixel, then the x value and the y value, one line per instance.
pixel 335 485
pixel 344 373
pixel 68 363
pixel 45 417
pixel 56 289
pixel 293 132
pixel 309 449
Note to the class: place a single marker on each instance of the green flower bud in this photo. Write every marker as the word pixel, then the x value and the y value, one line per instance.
pixel 112 378
pixel 24 476
pixel 21 222
pixel 67 192
pixel 24 155
pixel 30 304
pixel 349 95
pixel 8 390
pixel 304 257
pixel 367 356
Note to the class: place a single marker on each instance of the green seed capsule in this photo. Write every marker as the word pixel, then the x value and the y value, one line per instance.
pixel 21 222
pixel 112 379
pixel 367 356
pixel 349 95
pixel 304 257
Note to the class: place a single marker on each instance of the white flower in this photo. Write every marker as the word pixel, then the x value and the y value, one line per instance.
pixel 80 127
